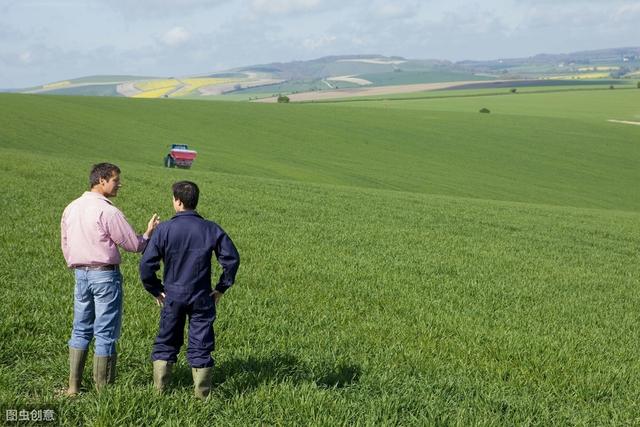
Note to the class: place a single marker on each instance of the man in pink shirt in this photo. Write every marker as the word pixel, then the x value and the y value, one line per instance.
pixel 92 228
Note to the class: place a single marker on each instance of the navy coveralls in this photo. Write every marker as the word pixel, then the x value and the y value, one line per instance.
pixel 185 245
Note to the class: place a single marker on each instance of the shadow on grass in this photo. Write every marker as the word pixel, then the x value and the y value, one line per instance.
pixel 242 375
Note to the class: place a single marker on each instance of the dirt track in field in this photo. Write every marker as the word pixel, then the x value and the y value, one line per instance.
pixel 624 122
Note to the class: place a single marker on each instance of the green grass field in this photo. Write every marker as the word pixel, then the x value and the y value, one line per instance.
pixel 592 106
pixel 415 264
pixel 89 90
pixel 488 91
pixel 285 88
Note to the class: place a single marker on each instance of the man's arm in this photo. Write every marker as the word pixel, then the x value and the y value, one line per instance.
pixel 150 264
pixel 124 235
pixel 63 236
pixel 229 259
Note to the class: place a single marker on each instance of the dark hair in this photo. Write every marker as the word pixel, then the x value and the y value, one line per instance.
pixel 187 192
pixel 102 171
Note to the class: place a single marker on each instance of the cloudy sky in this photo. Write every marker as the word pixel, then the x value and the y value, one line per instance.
pixel 43 41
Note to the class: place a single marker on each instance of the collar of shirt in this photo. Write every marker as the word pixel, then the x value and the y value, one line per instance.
pixel 96 195
pixel 187 213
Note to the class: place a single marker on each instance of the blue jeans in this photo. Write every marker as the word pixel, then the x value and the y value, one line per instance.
pixel 97 311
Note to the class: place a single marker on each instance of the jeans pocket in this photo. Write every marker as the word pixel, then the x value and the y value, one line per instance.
pixel 106 290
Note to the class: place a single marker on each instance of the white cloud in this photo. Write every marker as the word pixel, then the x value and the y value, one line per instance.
pixel 176 36
pixel 157 9
pixel 627 12
pixel 158 4
pixel 318 42
pixel 392 9
pixel 282 7
pixel 25 57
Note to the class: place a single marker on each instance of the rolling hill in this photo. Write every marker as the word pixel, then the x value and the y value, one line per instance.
pixel 351 71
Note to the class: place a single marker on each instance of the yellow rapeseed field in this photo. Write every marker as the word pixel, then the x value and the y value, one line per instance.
pixel 161 87
pixel 157 84
pixel 600 68
pixel 156 93
pixel 195 83
pixel 155 88
pixel 582 76
pixel 56 85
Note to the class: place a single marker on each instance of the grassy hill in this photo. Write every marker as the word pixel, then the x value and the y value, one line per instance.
pixel 526 157
pixel 591 67
pixel 593 106
pixel 409 264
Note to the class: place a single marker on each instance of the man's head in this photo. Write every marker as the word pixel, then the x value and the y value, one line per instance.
pixel 105 179
pixel 185 196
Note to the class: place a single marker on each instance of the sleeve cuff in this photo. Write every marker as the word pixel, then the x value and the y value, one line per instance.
pixel 155 290
pixel 222 288
pixel 156 293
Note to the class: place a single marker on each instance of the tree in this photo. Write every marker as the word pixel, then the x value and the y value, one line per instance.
pixel 514 90
pixel 485 110
pixel 283 98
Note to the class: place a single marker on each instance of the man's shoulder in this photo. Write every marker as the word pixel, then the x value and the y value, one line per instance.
pixel 79 203
pixel 162 227
pixel 88 198
pixel 211 224
pixel 191 221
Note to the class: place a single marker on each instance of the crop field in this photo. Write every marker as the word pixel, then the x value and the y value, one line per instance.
pixel 102 89
pixel 413 77
pixel 403 262
pixel 497 89
pixel 156 88
pixel 56 85
pixel 177 87
pixel 288 87
pixel 579 76
pixel 590 105
pixel 193 84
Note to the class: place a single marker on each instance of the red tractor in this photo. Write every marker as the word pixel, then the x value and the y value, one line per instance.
pixel 180 156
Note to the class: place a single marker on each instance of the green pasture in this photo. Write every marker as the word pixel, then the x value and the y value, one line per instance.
pixel 400 265
pixel 591 105
pixel 109 79
pixel 542 86
pixel 285 88
pixel 511 157
pixel 101 89
pixel 415 77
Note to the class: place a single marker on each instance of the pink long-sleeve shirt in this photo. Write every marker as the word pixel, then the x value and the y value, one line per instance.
pixel 92 228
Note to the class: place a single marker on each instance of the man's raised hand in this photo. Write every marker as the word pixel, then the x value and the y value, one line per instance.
pixel 153 223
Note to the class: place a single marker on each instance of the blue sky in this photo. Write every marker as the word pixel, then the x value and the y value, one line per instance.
pixel 43 41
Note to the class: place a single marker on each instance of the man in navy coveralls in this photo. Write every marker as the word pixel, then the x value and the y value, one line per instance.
pixel 185 245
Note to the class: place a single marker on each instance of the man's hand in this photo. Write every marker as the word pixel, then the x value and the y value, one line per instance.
pixel 160 299
pixel 216 296
pixel 153 223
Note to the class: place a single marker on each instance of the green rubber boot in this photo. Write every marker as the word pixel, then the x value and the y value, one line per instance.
pixel 201 381
pixel 77 359
pixel 161 374
pixel 104 370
